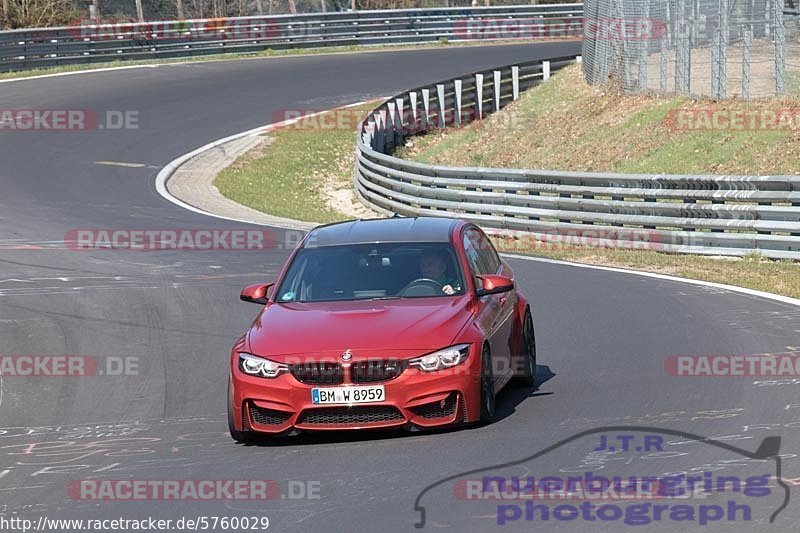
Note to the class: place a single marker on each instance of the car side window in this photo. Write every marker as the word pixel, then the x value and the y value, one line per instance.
pixel 480 253
pixel 488 253
pixel 472 254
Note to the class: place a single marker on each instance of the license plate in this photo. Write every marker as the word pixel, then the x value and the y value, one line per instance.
pixel 348 395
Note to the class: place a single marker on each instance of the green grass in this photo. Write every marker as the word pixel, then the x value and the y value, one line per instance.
pixel 752 271
pixel 567 125
pixel 287 178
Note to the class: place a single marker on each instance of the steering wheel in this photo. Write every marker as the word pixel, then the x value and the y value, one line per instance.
pixel 422 287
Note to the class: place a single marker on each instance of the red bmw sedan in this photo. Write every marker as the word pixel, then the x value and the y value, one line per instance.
pixel 404 322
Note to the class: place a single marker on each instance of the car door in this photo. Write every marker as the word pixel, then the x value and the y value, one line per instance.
pixel 507 302
pixel 496 311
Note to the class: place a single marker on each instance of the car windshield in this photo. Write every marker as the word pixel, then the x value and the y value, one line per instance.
pixel 372 271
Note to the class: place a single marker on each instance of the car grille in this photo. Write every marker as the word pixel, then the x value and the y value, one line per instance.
pixel 351 415
pixel 372 371
pixel 268 417
pixel 441 409
pixel 318 373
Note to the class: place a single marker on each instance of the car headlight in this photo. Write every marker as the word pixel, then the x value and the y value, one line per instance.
pixel 258 366
pixel 446 358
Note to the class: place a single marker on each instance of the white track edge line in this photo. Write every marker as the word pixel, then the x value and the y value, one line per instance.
pixel 665 277
pixel 90 71
pixel 168 170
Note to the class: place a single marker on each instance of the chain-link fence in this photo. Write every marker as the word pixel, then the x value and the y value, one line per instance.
pixel 717 48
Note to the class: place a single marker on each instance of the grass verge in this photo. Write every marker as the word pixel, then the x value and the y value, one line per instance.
pixel 599 131
pixel 752 272
pixel 301 172
pixel 293 176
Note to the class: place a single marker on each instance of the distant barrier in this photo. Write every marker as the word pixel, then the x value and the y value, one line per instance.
pixel 85 43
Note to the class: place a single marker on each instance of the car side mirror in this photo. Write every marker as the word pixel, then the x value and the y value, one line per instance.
pixel 256 294
pixel 494 285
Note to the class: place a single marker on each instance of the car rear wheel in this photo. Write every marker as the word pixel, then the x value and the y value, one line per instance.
pixel 243 437
pixel 487 388
pixel 527 376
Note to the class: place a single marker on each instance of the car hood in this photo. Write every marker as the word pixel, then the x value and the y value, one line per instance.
pixel 417 324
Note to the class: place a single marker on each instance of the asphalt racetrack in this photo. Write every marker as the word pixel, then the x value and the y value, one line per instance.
pixel 603 337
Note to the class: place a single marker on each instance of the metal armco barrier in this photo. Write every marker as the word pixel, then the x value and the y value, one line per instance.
pixel 125 40
pixel 719 215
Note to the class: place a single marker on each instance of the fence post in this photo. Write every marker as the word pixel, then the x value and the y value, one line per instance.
pixel 515 81
pixel 683 56
pixel 724 36
pixel 414 113
pixel 715 70
pixel 380 144
pixel 426 104
pixel 748 35
pixel 399 137
pixel 497 75
pixel 780 47
pixel 391 127
pixel 662 71
pixel 457 112
pixel 441 104
pixel 479 95
pixel 372 137
pixel 644 49
pixel 545 70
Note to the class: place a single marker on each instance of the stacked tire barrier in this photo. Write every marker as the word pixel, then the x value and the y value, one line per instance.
pixel 86 43
pixel 704 214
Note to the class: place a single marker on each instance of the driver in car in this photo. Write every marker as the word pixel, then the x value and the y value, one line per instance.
pixel 432 266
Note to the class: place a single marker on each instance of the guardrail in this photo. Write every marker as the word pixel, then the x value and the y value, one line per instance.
pixel 704 214
pixel 92 43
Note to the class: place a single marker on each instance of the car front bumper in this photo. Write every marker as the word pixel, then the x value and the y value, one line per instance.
pixel 413 400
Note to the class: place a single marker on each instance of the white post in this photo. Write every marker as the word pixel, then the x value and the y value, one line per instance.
pixel 390 124
pixel 440 96
pixel 457 117
pixel 426 103
pixel 515 81
pixel 399 131
pixel 578 59
pixel 479 94
pixel 370 133
pixel 545 70
pixel 413 98
pixel 380 144
pixel 497 75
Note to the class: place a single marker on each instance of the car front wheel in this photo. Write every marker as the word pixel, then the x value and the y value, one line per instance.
pixel 487 388
pixel 527 376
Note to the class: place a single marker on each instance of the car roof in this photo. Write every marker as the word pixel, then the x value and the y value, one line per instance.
pixel 396 229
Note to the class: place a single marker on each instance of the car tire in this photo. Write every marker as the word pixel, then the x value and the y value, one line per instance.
pixel 527 376
pixel 486 388
pixel 242 437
